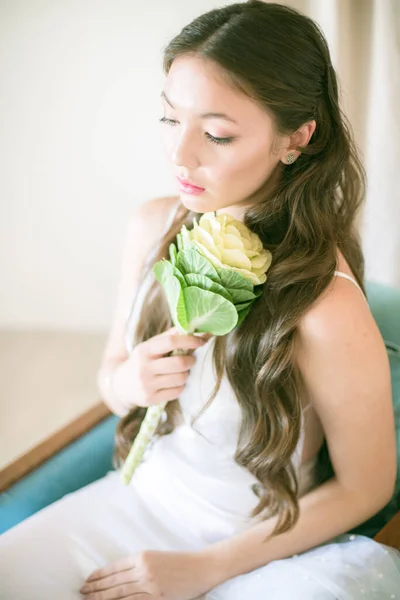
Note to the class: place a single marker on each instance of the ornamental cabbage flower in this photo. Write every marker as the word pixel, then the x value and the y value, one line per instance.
pixel 228 243
pixel 211 282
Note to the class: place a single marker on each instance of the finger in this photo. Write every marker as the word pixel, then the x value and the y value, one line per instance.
pixel 177 331
pixel 172 364
pixel 162 382
pixel 110 581
pixel 167 395
pixel 160 345
pixel 127 562
pixel 126 591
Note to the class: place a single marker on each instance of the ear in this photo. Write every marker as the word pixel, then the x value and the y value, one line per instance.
pixel 301 137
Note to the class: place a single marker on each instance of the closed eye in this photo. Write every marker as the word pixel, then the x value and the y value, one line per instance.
pixel 215 140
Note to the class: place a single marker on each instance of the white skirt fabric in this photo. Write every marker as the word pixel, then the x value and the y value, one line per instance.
pixel 174 503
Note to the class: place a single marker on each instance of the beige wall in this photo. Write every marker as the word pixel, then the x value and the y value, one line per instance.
pixel 78 149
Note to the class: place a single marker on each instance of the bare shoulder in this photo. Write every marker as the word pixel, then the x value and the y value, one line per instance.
pixel 339 349
pixel 341 310
pixel 149 219
pixel 342 306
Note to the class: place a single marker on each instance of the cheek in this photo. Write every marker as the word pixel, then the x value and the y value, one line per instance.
pixel 166 142
pixel 244 171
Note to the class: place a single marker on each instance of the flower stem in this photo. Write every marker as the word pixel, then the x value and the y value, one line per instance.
pixel 146 432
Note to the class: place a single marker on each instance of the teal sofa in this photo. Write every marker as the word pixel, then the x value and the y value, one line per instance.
pixel 89 457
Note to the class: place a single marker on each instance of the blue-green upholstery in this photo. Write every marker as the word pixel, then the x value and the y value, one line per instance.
pixel 86 459
pixel 385 305
pixel 89 457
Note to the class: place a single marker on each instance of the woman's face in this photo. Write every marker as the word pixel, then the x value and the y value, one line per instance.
pixel 229 172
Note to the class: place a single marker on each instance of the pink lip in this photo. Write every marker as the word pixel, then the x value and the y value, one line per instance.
pixel 187 186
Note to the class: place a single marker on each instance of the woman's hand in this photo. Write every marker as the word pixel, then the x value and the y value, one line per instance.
pixel 150 375
pixel 160 575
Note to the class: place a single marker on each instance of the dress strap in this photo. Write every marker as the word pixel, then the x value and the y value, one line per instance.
pixel 350 279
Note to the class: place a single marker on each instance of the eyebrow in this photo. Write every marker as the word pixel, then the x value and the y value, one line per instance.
pixel 207 115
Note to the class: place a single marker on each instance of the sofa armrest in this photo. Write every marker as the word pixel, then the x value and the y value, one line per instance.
pixel 390 534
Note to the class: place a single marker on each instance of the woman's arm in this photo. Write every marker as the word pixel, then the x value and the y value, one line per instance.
pixel 344 363
pixel 142 232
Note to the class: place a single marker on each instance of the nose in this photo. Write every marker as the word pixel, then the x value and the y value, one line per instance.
pixel 183 152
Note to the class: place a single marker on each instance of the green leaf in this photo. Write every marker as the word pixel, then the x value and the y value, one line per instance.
pixel 180 307
pixel 187 243
pixel 180 277
pixel 172 253
pixel 179 241
pixel 243 305
pixel 243 314
pixel 209 312
pixel 239 296
pixel 234 280
pixel 164 272
pixel 205 283
pixel 191 261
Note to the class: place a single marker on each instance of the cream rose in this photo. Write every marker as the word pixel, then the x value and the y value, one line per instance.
pixel 228 243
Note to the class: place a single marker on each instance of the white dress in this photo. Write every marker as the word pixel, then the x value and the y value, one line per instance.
pixel 186 494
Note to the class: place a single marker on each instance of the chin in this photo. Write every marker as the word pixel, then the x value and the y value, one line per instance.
pixel 199 204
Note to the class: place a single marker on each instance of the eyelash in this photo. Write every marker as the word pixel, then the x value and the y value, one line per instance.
pixel 215 140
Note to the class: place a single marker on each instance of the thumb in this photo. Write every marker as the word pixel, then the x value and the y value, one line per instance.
pixel 201 334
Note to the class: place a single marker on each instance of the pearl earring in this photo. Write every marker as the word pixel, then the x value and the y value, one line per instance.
pixel 290 159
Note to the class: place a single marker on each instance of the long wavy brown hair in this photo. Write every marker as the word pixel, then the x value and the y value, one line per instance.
pixel 280 58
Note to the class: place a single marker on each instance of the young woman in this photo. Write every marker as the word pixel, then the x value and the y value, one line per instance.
pixel 229 502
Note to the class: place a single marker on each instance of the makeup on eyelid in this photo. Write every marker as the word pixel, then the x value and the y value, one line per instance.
pixel 223 141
